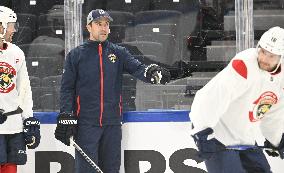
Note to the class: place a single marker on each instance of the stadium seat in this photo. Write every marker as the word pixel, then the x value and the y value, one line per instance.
pixel 208 74
pixel 117 33
pixel 128 98
pixel 122 18
pixel 51 19
pixel 44 66
pixel 93 4
pixel 144 48
pixel 128 5
pixel 128 92
pixel 43 50
pixel 158 16
pixel 170 50
pixel 36 93
pixel 35 81
pixel 50 102
pixel 51 81
pixel 129 80
pixel 183 6
pixel 52 31
pixel 34 7
pixel 155 29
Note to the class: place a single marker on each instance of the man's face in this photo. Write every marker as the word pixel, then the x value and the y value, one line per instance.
pixel 267 61
pixel 99 29
pixel 9 31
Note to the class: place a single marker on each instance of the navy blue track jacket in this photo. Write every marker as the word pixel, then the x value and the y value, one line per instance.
pixel 92 82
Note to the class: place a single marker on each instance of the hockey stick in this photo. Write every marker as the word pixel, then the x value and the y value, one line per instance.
pixel 247 147
pixel 17 111
pixel 4 115
pixel 86 157
pixel 252 147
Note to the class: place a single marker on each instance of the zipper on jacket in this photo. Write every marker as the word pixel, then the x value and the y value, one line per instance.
pixel 101 84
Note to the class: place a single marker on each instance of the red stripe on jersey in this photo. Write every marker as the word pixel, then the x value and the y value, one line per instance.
pixel 240 68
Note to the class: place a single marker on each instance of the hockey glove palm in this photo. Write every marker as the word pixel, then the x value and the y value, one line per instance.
pixel 157 75
pixel 32 132
pixel 207 147
pixel 3 117
pixel 66 127
pixel 276 151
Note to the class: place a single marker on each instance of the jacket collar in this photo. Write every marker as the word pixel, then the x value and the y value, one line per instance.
pixel 96 43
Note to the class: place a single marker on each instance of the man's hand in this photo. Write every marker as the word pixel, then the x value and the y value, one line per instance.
pixel 66 127
pixel 157 75
pixel 32 132
pixel 207 147
pixel 276 151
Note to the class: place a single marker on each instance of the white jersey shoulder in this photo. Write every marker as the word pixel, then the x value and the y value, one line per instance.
pixel 245 63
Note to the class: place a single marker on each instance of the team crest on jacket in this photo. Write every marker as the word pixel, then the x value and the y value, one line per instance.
pixel 112 58
pixel 262 105
pixel 7 73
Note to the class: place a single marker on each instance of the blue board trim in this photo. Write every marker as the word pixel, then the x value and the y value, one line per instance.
pixel 156 116
pixel 46 117
pixel 153 115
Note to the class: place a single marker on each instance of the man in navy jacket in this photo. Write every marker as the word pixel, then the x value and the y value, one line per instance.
pixel 91 93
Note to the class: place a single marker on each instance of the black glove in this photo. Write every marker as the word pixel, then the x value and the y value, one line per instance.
pixel 157 75
pixel 66 127
pixel 32 132
pixel 276 151
pixel 207 147
pixel 3 117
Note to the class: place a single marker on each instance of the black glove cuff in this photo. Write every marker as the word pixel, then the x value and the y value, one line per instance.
pixel 66 119
pixel 150 69
pixel 31 121
pixel 279 147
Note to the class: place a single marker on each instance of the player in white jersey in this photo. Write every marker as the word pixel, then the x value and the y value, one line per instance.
pixel 243 100
pixel 18 127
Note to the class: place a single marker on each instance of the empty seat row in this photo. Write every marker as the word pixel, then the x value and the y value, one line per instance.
pixel 49 81
pixel 165 52
pixel 45 98
pixel 135 6
pixel 33 6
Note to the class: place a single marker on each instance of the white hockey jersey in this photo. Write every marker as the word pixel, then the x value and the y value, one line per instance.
pixel 15 88
pixel 242 101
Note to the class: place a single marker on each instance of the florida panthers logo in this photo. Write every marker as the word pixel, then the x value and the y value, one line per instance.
pixel 112 58
pixel 7 73
pixel 262 105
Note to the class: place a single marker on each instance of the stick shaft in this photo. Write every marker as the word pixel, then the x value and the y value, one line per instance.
pixel 248 147
pixel 86 157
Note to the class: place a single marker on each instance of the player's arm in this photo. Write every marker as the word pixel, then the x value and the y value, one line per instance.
pixel 152 73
